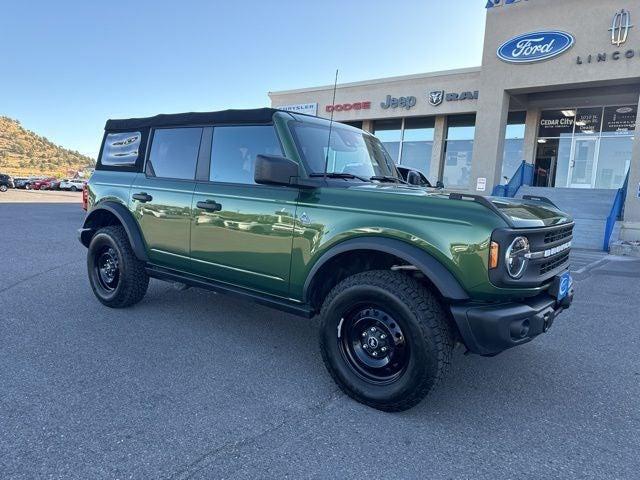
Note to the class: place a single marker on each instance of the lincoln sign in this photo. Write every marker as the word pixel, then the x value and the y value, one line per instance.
pixel 535 46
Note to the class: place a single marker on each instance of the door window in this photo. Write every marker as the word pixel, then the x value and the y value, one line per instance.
pixel 582 166
pixel 234 151
pixel 174 153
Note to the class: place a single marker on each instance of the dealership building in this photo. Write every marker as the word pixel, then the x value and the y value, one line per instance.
pixel 551 111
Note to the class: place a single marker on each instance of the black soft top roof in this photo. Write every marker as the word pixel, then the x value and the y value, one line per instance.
pixel 257 115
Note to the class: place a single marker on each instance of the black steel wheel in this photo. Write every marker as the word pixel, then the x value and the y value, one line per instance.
pixel 106 266
pixel 373 344
pixel 117 277
pixel 385 339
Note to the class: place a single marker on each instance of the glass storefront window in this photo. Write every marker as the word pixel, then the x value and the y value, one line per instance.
pixel 585 147
pixel 619 120
pixel 458 151
pixel 417 143
pixel 409 141
pixel 513 145
pixel 556 123
pixel 588 121
pixel 614 159
pixel 390 134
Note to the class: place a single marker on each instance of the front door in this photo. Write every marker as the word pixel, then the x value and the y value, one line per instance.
pixel 242 232
pixel 582 167
pixel 161 196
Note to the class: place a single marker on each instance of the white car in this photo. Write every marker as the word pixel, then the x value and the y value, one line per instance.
pixel 74 184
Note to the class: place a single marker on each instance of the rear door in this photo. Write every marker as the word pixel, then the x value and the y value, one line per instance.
pixel 241 231
pixel 161 195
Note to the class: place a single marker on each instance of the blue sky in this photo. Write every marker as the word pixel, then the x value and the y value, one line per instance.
pixel 67 66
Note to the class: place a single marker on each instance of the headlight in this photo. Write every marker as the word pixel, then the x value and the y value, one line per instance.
pixel 515 257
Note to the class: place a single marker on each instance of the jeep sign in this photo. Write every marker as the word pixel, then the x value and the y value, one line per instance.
pixel 402 102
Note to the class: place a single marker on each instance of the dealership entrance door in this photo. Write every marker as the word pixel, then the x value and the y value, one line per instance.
pixel 582 165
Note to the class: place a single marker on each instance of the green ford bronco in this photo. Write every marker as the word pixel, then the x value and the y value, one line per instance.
pixel 313 218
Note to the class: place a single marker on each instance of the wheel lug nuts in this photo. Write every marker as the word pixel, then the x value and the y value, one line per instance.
pixel 384 349
pixel 373 329
pixel 375 354
pixel 364 334
pixel 383 336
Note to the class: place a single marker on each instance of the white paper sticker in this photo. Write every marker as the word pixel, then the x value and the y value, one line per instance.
pixel 481 186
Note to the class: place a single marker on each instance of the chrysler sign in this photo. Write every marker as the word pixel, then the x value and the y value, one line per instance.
pixel 535 46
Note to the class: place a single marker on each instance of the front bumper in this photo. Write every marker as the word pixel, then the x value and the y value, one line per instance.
pixel 490 329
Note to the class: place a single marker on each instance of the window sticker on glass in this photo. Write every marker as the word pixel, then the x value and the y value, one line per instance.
pixel 121 149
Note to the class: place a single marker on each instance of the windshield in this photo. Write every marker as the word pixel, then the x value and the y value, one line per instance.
pixel 351 151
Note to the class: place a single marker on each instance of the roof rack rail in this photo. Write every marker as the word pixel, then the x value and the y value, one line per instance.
pixel 484 201
pixel 538 198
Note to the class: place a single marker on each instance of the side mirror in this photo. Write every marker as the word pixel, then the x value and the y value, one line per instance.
pixel 413 177
pixel 274 170
pixel 439 184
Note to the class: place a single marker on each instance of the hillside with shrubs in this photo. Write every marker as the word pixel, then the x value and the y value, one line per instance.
pixel 24 153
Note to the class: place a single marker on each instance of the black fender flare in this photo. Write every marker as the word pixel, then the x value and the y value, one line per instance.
pixel 438 274
pixel 125 217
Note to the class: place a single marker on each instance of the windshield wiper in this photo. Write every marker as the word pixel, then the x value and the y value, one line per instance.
pixel 348 176
pixel 388 178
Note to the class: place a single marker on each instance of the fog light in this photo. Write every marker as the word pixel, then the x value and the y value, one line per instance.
pixel 519 330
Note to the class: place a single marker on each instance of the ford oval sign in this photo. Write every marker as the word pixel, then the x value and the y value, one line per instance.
pixel 535 46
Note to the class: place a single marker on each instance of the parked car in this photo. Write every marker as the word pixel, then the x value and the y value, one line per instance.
pixel 20 182
pixel 397 273
pixel 416 177
pixel 6 182
pixel 73 184
pixel 52 185
pixel 40 184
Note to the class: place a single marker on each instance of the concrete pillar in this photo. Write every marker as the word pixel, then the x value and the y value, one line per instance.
pixel 631 222
pixel 488 145
pixel 437 154
pixel 530 147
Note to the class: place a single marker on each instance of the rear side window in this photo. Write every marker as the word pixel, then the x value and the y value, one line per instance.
pixel 121 149
pixel 234 151
pixel 174 153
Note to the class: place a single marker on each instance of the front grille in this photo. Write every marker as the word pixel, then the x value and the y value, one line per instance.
pixel 559 234
pixel 554 263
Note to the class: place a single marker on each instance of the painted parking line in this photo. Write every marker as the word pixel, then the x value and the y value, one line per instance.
pixel 583 260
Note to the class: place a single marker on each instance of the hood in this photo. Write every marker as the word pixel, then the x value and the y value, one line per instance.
pixel 520 213
pixel 530 213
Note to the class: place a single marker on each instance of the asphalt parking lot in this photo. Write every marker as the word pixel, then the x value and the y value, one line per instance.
pixel 188 384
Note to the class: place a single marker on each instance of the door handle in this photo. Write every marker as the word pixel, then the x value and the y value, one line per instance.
pixel 142 197
pixel 209 205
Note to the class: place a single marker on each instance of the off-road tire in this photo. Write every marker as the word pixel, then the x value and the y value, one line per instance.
pixel 132 282
pixel 426 326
